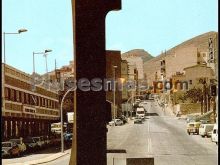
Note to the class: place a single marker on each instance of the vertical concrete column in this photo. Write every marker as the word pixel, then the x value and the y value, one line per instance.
pixel 89 142
pixel 9 128
pixel 25 124
pixel 22 128
pixel 49 128
pixel 36 128
pixel 19 127
pixel 32 128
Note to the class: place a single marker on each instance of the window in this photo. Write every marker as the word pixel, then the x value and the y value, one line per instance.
pixel 12 96
pixel 17 96
pixel 31 99
pixel 27 98
pixel 190 82
pixel 7 93
pixel 21 96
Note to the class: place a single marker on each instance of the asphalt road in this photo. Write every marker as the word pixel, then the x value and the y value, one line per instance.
pixel 162 137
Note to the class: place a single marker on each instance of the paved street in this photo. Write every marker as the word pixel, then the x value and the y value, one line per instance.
pixel 162 137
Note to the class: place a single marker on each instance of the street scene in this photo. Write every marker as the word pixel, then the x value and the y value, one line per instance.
pixel 100 84
pixel 156 137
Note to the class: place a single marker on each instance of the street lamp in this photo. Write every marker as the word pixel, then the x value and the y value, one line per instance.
pixel 114 68
pixel 3 81
pixel 19 31
pixel 45 55
pixel 61 116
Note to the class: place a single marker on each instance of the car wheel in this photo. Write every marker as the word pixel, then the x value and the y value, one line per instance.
pixel 188 133
pixel 202 136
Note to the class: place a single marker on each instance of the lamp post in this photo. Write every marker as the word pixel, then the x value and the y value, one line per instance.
pixel 114 68
pixel 19 32
pixel 61 116
pixel 45 55
pixel 3 75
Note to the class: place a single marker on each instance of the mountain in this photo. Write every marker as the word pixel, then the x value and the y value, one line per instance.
pixel 137 53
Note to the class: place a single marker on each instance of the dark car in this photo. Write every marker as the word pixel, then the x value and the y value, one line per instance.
pixel 68 137
pixel 31 144
pixel 138 121
pixel 124 119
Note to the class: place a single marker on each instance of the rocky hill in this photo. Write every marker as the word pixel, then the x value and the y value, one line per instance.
pixel 137 53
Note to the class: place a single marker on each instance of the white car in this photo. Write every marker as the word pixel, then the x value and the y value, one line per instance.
pixel 40 141
pixel 204 129
pixel 116 122
pixel 214 137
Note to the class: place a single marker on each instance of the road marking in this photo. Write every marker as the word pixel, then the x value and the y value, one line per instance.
pixel 148 126
pixel 149 145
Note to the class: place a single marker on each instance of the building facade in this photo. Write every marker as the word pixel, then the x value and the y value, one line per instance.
pixel 113 58
pixel 26 111
pixel 192 52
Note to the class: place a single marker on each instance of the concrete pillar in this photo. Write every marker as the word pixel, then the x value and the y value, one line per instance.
pixel 19 127
pixel 89 144
pixel 9 128
pixel 49 128
pixel 32 128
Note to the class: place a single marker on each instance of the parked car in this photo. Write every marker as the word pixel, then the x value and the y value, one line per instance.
pixel 10 148
pixel 40 141
pixel 20 144
pixel 124 119
pixel 31 144
pixel 46 140
pixel 193 127
pixel 55 140
pixel 204 129
pixel 68 137
pixel 214 137
pixel 138 120
pixel 116 122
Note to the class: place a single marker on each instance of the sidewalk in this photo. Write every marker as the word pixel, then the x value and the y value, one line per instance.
pixel 43 160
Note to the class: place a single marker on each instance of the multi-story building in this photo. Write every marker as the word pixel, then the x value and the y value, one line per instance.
pixel 136 59
pixel 124 79
pixel 189 53
pixel 26 111
pixel 192 76
pixel 113 58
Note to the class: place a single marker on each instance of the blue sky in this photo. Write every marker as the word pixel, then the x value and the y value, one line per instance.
pixel 153 25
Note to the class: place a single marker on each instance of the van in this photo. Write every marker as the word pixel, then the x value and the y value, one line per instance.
pixel 204 129
pixel 193 127
pixel 214 137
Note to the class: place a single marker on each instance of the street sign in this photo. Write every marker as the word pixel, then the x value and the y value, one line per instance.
pixel 70 117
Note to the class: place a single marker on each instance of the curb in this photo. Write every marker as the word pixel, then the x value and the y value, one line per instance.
pixel 43 160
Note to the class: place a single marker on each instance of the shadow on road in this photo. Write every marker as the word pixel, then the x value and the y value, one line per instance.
pixel 152 114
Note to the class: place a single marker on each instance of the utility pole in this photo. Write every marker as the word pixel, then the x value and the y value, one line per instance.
pixel 205 96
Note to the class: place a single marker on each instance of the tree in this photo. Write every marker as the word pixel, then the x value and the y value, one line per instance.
pixel 194 94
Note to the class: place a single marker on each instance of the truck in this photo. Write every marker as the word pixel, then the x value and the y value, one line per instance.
pixel 140 112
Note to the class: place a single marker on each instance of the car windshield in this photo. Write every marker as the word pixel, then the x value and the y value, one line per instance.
pixel 191 125
pixel 29 140
pixel 15 140
pixel 6 144
pixel 140 112
pixel 36 138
